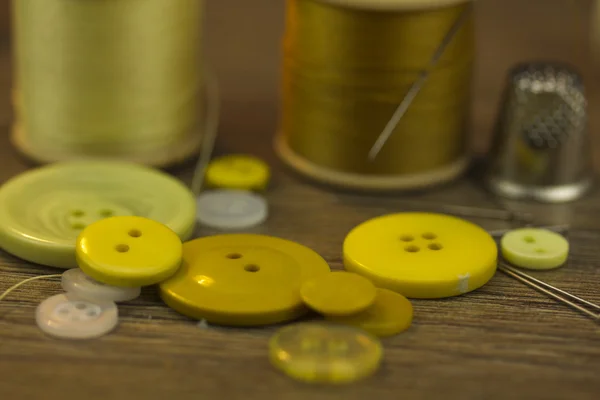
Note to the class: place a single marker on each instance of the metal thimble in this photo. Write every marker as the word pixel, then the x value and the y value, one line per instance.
pixel 541 149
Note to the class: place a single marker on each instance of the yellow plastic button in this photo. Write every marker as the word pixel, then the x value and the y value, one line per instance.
pixel 338 293
pixel 391 314
pixel 238 171
pixel 242 279
pixel 324 353
pixel 534 248
pixel 128 251
pixel 421 255
pixel 42 211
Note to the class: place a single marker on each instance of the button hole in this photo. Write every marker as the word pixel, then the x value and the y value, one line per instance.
pixel 529 239
pixel 135 233
pixel 429 236
pixel 540 251
pixel 78 226
pixel 122 248
pixel 106 213
pixel 252 268
pixel 77 213
pixel 435 246
pixel 412 249
pixel 407 238
pixel 233 256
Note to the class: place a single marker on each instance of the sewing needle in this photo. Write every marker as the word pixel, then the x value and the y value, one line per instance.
pixel 417 85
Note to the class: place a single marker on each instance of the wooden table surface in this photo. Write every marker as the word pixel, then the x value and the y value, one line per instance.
pixel 502 341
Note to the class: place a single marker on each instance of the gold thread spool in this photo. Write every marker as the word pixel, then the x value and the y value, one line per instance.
pixel 118 79
pixel 347 66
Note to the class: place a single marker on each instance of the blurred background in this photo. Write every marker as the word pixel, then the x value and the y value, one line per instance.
pixel 243 45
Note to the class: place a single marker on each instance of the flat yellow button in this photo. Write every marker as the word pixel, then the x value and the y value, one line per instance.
pixel 391 314
pixel 242 279
pixel 338 293
pixel 128 251
pixel 238 171
pixel 421 255
pixel 42 211
pixel 325 353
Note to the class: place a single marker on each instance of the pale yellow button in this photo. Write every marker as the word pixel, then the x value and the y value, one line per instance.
pixel 534 248
pixel 325 353
pixel 128 251
pixel 238 171
pixel 391 314
pixel 338 293
pixel 43 210
pixel 422 255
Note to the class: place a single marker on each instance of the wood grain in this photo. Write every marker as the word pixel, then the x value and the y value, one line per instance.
pixel 503 341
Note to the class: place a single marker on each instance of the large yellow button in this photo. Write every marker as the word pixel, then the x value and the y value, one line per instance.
pixel 338 293
pixel 242 279
pixel 42 211
pixel 325 353
pixel 238 171
pixel 391 314
pixel 422 255
pixel 128 251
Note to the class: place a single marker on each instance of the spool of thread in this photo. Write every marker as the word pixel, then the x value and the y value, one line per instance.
pixel 347 66
pixel 108 79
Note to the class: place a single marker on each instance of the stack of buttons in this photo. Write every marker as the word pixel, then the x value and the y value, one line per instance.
pixel 350 299
pixel 116 257
pixel 231 203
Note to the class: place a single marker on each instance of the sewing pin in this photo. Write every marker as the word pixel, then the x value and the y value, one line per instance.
pixel 547 289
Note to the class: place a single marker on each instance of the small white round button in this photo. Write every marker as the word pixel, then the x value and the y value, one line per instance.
pixel 70 316
pixel 231 209
pixel 77 282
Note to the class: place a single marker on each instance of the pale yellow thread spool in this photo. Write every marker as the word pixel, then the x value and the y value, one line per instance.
pixel 118 79
pixel 347 66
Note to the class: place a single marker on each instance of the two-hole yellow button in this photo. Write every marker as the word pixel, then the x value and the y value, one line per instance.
pixel 128 251
pixel 242 279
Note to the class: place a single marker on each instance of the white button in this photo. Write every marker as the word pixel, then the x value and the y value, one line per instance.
pixel 77 282
pixel 70 316
pixel 231 209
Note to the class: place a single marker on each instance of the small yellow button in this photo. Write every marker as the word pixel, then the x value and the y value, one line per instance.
pixel 534 248
pixel 338 293
pixel 325 353
pixel 391 314
pixel 242 279
pixel 238 171
pixel 422 255
pixel 128 251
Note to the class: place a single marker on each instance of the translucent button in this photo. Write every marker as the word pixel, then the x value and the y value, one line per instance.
pixel 238 171
pixel 76 282
pixel 421 255
pixel 42 211
pixel 128 251
pixel 338 293
pixel 72 317
pixel 325 353
pixel 534 248
pixel 231 209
